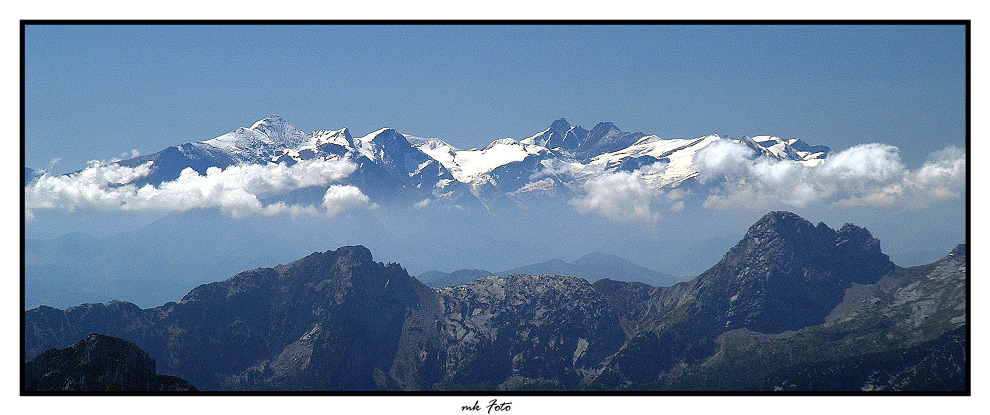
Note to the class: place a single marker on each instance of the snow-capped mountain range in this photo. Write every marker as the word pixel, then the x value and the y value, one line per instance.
pixel 392 166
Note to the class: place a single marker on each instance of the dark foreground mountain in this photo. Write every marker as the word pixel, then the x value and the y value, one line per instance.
pixel 789 293
pixel 99 363
pixel 340 321
pixel 906 308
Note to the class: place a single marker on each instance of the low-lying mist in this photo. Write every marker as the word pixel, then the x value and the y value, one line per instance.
pixel 85 257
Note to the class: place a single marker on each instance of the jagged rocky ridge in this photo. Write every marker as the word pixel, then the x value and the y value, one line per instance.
pixel 98 363
pixel 789 293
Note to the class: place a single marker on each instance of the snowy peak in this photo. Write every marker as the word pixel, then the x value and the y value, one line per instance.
pixel 605 138
pixel 269 122
pixel 265 139
pixel 429 143
pixel 471 165
pixel 390 150
pixel 560 135
pixel 560 125
pixel 780 149
pixel 799 145
pixel 280 132
pixel 574 137
pixel 386 140
pixel 243 144
pixel 340 137
pixel 501 142
pixel 602 129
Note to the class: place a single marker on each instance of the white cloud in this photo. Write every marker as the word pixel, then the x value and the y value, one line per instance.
pixel 235 190
pixel 943 176
pixel 97 185
pixel 723 158
pixel 555 168
pixel 734 177
pixel 340 198
pixel 884 196
pixel 862 168
pixel 280 208
pixel 622 197
pixel 864 175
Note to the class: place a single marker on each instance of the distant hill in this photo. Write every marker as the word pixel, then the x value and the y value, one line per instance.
pixel 591 267
pixel 438 279
pixel 596 266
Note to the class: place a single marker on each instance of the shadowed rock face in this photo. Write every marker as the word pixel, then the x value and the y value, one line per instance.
pixel 787 273
pixel 522 327
pixel 98 363
pixel 935 365
pixel 784 274
pixel 327 321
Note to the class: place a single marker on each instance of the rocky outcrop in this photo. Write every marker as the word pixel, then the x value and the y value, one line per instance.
pixel 524 331
pixel 629 300
pixel 99 363
pixel 784 274
pixel 934 366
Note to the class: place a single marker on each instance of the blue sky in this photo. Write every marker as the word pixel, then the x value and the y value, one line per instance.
pixel 99 92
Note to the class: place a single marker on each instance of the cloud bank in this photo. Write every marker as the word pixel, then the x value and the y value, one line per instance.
pixel 236 190
pixel 732 177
